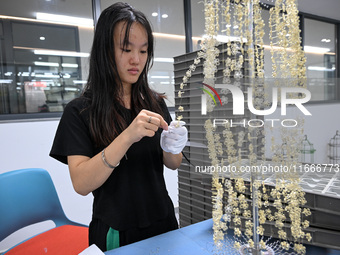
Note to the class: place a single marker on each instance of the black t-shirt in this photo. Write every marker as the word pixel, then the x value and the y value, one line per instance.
pixel 135 194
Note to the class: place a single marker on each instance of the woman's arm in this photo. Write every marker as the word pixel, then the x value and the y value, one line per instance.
pixel 88 174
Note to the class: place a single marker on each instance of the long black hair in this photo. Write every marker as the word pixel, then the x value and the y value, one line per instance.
pixel 104 86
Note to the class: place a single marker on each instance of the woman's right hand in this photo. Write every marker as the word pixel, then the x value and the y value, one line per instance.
pixel 88 174
pixel 146 123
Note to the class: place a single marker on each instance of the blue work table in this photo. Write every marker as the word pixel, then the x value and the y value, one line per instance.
pixel 194 239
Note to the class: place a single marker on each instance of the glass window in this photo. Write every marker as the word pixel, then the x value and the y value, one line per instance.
pixel 197 20
pixel 167 20
pixel 45 46
pixel 319 46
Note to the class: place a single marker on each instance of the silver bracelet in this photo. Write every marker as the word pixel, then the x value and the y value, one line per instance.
pixel 107 163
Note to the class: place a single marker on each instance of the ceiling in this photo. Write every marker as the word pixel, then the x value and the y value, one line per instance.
pixel 174 24
pixel 323 8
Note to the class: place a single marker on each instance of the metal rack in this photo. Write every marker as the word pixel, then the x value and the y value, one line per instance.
pixel 322 188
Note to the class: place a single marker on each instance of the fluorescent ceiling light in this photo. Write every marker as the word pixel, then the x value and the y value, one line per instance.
pixel 166 60
pixel 312 49
pixel 164 16
pixel 320 68
pixel 225 38
pixel 61 53
pixel 160 77
pixel 69 65
pixel 326 40
pixel 79 82
pixel 38 63
pixel 173 36
pixel 64 19
pixel 71 89
pixel 43 21
pixel 154 14
pixel 51 75
pixel 168 35
pixel 5 81
pixel 307 49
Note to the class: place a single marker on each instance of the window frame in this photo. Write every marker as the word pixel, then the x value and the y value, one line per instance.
pixel 96 9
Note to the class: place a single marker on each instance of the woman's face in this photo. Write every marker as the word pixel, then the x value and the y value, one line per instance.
pixel 130 60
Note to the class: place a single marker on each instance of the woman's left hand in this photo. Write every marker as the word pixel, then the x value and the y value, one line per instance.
pixel 175 138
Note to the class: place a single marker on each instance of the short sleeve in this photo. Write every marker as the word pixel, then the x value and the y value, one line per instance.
pixel 73 135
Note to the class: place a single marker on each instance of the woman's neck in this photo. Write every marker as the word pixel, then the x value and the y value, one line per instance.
pixel 127 96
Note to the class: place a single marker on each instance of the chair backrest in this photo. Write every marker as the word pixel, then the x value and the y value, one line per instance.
pixel 28 196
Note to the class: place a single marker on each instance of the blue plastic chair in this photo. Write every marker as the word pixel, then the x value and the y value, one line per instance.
pixel 28 196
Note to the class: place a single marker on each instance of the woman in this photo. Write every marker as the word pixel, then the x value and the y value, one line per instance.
pixel 110 136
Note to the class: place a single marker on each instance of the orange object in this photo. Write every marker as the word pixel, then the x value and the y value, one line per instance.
pixel 67 239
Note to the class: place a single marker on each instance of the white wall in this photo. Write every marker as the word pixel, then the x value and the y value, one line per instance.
pixel 320 127
pixel 27 145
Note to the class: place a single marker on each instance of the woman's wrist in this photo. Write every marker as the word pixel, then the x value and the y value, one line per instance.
pixel 125 139
pixel 172 161
pixel 107 163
